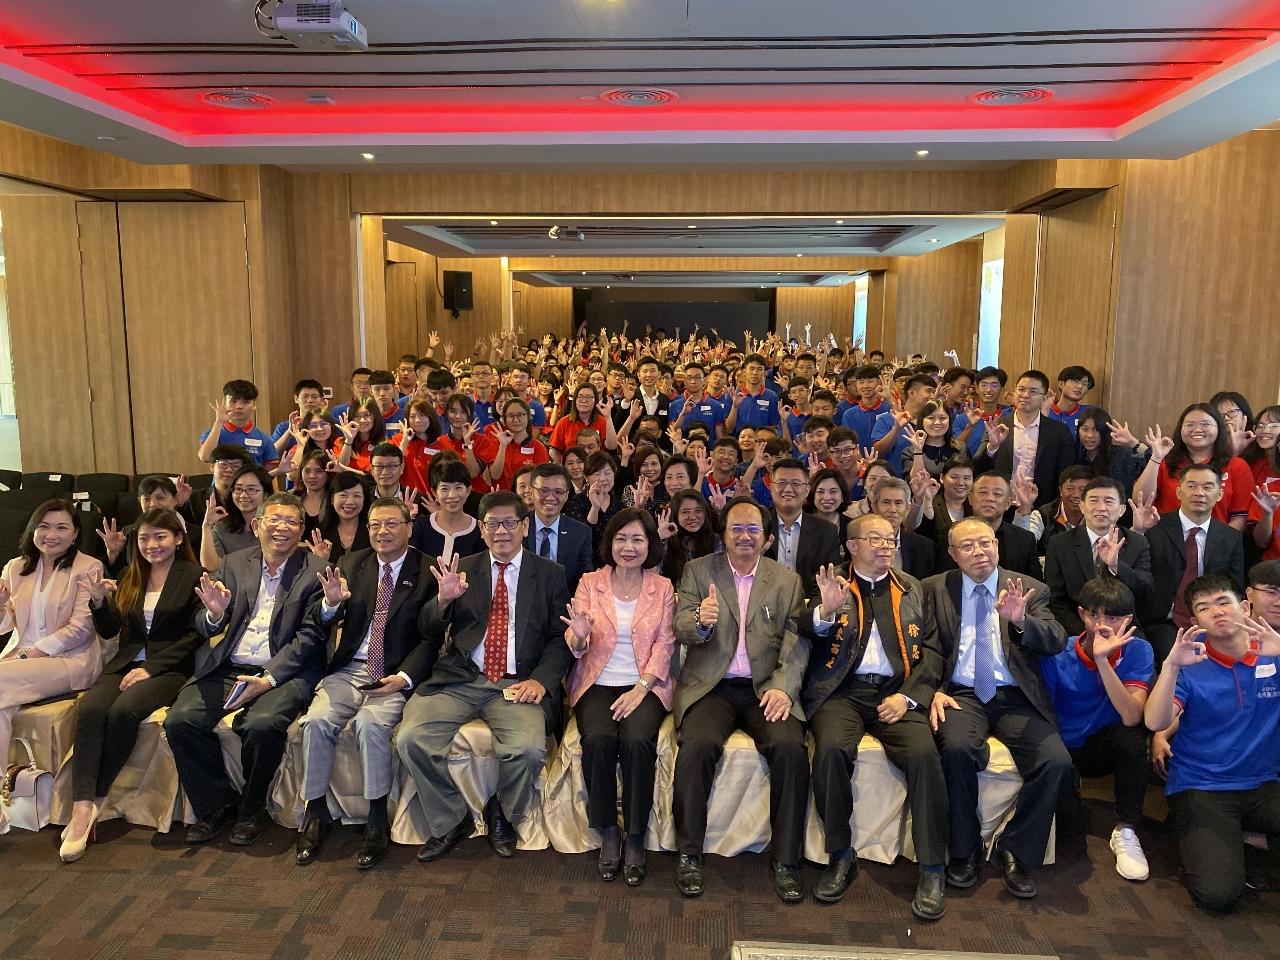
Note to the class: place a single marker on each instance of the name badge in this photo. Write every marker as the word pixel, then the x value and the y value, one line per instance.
pixel 1265 670
pixel 252 442
pixel 430 451
pixel 705 408
pixel 528 450
pixel 762 403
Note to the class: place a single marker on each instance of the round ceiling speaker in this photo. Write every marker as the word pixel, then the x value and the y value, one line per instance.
pixel 1010 96
pixel 237 99
pixel 639 96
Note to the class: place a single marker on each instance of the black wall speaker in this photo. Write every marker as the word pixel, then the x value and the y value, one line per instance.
pixel 457 290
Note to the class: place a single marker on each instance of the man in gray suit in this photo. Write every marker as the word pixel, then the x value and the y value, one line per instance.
pixel 257 602
pixel 738 615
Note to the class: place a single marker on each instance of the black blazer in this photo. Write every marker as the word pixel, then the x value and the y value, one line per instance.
pixel 541 653
pixel 172 641
pixel 1069 565
pixel 663 409
pixel 1055 451
pixel 1040 635
pixel 819 545
pixel 401 641
pixel 918 555
pixel 297 643
pixel 574 543
pixel 1223 553
pixel 1017 552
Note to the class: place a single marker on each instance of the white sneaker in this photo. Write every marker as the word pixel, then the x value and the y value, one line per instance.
pixel 1131 862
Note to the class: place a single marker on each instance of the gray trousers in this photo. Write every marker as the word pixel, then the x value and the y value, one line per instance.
pixel 427 731
pixel 374 718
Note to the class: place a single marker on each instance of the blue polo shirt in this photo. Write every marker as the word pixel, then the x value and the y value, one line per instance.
pixel 538 413
pixel 257 442
pixel 862 420
pixel 883 427
pixel 759 409
pixel 1229 737
pixel 1079 698
pixel 796 423
pixel 1072 419
pixel 708 411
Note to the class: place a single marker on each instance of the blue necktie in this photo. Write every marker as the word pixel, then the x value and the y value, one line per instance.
pixel 544 548
pixel 984 661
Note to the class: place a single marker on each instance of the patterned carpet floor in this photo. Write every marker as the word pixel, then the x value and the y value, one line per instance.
pixel 139 895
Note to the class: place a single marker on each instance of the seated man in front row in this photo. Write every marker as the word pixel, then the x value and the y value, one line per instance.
pixel 737 615
pixel 994 628
pixel 504 663
pixel 1098 686
pixel 876 675
pixel 257 602
pixel 374 596
pixel 1219 683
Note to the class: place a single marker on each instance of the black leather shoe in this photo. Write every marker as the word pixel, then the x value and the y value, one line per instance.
pixel 437 847
pixel 787 883
pixel 930 901
pixel 374 847
pixel 502 835
pixel 202 831
pixel 633 870
pixel 311 838
pixel 248 829
pixel 689 875
pixel 608 869
pixel 962 872
pixel 1017 878
pixel 836 878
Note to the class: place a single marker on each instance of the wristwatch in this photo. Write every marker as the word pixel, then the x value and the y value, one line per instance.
pixel 645 683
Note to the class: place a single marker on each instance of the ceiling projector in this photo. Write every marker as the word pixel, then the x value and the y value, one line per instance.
pixel 316 26
pixel 569 234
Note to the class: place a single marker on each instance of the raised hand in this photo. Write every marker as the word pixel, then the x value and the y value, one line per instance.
pixel 643 491
pixel 997 433
pixel 626 449
pixel 409 497
pixel 1106 550
pixel 214 595
pixel 709 608
pixel 433 339
pixel 719 500
pixel 334 585
pixel 1160 445
pixel 347 427
pixel 1120 434
pixel 113 537
pixel 1012 602
pixel 452 584
pixel 1267 501
pixel 1145 515
pixel 579 620
pixel 972 413
pixel 917 440
pixel 321 547
pixel 184 489
pixel 212 512
pixel 448 350
pixel 99 589
pixel 1107 641
pixel 833 589
pixel 470 430
pixel 220 412
pixel 666 526
pixel 815 463
pixel 1188 647
pixel 1263 638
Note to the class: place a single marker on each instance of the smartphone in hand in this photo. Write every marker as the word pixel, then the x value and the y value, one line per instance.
pixel 370 686
pixel 236 691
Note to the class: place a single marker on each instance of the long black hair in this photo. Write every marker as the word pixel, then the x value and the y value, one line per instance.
pixel 27 549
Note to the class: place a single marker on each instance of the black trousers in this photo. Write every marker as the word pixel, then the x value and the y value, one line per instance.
pixel 703 730
pixel 262 727
pixel 107 728
pixel 1120 751
pixel 1038 753
pixel 1210 825
pixel 606 743
pixel 837 727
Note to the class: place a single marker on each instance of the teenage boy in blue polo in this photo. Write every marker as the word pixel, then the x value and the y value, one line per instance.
pixel 1220 683
pixel 233 424
pixel 754 404
pixel 1098 686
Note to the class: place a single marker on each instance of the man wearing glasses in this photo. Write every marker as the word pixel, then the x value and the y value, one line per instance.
pixel 504 663
pixel 268 660
pixel 553 535
pixel 1025 443
pixel 374 656
pixel 737 614
pixel 804 543
pixel 993 629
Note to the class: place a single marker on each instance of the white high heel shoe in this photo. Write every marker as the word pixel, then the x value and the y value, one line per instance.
pixel 73 848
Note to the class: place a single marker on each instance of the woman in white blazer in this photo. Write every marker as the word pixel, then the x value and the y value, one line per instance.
pixel 44 600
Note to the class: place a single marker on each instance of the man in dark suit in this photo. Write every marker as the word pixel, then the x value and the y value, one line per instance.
pixel 990 499
pixel 738 615
pixel 876 674
pixel 1026 442
pixel 803 543
pixel 1185 543
pixel 914 554
pixel 553 535
pixel 369 612
pixel 1099 547
pixel 257 603
pixel 495 623
pixel 1059 515
pixel 655 403
pixel 993 629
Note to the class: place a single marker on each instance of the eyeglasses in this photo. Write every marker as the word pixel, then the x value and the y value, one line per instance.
pixel 968 546
pixel 492 525
pixel 245 491
pixel 844 451
pixel 790 484
pixel 391 526
pixel 739 529
pixel 551 493
pixel 277 521
pixel 875 541
pixel 383 466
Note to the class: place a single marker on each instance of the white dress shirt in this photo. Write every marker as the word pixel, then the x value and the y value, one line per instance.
pixel 789 541
pixel 254 646
pixel 1202 535
pixel 513 577
pixel 874 659
pixel 1026 440
pixel 963 674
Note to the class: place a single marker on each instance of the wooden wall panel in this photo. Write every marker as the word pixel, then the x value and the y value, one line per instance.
pixel 1018 299
pixel 938 298
pixel 270 238
pixel 882 309
pixel 491 302
pixel 543 310
pixel 1198 290
pixel 403 330
pixel 324 280
pixel 6 355
pixel 826 309
pixel 1073 299
pixel 186 296
pixel 46 322
pixel 376 352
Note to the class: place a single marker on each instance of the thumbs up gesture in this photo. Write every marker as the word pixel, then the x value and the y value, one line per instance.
pixel 709 608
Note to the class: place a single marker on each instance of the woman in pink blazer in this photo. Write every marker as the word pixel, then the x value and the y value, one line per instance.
pixel 44 600
pixel 619 629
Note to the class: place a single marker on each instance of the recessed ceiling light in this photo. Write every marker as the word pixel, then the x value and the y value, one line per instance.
pixel 553 256
pixel 693 226
pixel 493 223
pixel 933 240
pixel 799 254
pixel 368 156
pixel 105 139
pixel 841 222
pixel 607 287
pixel 922 153
pixel 584 273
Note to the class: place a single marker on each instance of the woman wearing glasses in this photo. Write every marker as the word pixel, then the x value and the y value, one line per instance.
pixel 619 630
pixel 510 446
pixel 226 531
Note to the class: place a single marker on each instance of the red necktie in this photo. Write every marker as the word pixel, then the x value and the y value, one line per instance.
pixel 1191 551
pixel 495 637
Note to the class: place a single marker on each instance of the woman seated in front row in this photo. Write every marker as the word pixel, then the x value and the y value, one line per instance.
pixel 619 629
pixel 152 609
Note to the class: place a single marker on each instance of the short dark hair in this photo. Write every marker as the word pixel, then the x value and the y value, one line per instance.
pixel 956 463
pixel 1208 584
pixel 620 520
pixel 1265 574
pixel 497 499
pixel 788 463
pixel 1205 467
pixel 754 358
pixel 441 380
pixel 599 461
pixel 928 368
pixel 955 373
pixel 868 371
pixel 919 380
pixel 546 471
pixel 806 356
pixel 1103 483
pixel 876 353
pixel 361 372
pixel 826 395
pixel 149 485
pixel 1076 471
pixel 987 373
pixel 1077 372
pixel 1036 375
pixel 726 442
pixel 840 435
pixel 307 384
pixel 467 404
pixel 766 516
pixel 382 378
pixel 395 502
pixel 1107 596
pixel 818 423
pixel 283 499
pixel 528 468
pixel 385 449
pixel 645 361
pixel 408 358
pixel 448 470
pixel 240 390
